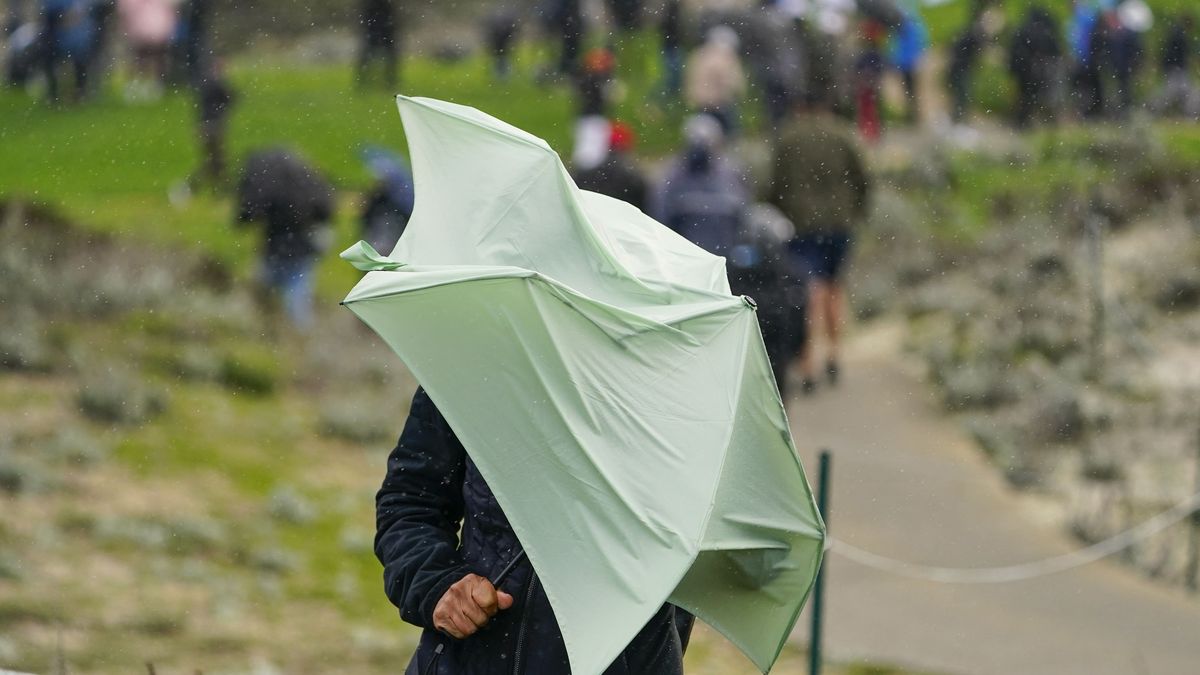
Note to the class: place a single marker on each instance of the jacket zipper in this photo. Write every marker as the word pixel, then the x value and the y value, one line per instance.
pixel 533 580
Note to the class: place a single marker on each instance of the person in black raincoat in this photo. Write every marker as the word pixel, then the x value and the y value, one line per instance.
pixel 1033 61
pixel 294 203
pixel 442 537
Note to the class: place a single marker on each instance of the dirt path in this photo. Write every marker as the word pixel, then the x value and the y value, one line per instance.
pixel 909 485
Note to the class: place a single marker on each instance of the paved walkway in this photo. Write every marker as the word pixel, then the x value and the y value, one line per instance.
pixel 909 485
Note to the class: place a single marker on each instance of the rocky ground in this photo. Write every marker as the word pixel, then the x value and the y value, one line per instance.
pixel 1065 334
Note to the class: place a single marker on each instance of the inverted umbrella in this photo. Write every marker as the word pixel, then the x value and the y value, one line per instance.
pixel 614 395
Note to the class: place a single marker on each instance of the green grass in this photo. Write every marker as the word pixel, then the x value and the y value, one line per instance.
pixel 109 165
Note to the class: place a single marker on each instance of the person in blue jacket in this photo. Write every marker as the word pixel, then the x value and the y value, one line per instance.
pixel 909 45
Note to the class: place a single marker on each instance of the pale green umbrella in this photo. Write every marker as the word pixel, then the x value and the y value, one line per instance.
pixel 614 395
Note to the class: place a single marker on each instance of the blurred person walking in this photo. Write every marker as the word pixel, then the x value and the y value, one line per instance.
pixel 964 56
pixel 148 26
pixel 1034 63
pixel 670 30
pixel 702 195
pixel 909 44
pixel 868 82
pixel 214 101
pixel 193 49
pixel 626 16
pixel 819 183
pixel 500 32
pixel 389 203
pixel 52 19
pixel 617 175
pixel 566 18
pixel 1126 55
pixel 714 81
pixel 379 41
pixel 1177 94
pixel 101 14
pixel 594 83
pixel 776 54
pixel 759 268
pixel 293 203
pixel 1086 84
pixel 77 40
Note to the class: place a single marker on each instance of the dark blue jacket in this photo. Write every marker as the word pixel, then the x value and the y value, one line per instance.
pixel 432 487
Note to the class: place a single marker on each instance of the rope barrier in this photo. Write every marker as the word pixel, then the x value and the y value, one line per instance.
pixel 1023 571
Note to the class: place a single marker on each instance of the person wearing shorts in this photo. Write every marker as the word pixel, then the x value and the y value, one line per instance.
pixel 819 183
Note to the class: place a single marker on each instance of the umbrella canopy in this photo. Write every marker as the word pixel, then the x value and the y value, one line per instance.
pixel 615 396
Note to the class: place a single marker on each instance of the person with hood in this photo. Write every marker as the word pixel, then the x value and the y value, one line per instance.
pixel 294 204
pixel 1033 61
pixel 702 195
pixel 616 176
pixel 818 182
pixel 443 539
pixel 714 81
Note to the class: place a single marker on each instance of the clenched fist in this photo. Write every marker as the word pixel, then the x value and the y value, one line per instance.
pixel 467 605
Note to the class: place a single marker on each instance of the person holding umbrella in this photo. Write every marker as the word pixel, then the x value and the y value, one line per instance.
pixel 442 538
pixel 597 439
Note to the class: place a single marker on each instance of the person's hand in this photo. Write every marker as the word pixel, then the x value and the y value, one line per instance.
pixel 467 605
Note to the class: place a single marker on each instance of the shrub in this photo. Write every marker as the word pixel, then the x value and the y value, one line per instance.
pixel 251 369
pixel 358 420
pixel 119 397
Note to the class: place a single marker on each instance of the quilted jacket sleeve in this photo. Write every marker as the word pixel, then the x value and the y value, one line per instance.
pixel 418 511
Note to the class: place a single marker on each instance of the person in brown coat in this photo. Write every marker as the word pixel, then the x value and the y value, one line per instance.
pixel 819 183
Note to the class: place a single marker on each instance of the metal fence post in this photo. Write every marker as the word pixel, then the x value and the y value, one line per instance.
pixel 1191 574
pixel 818 595
pixel 1094 228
